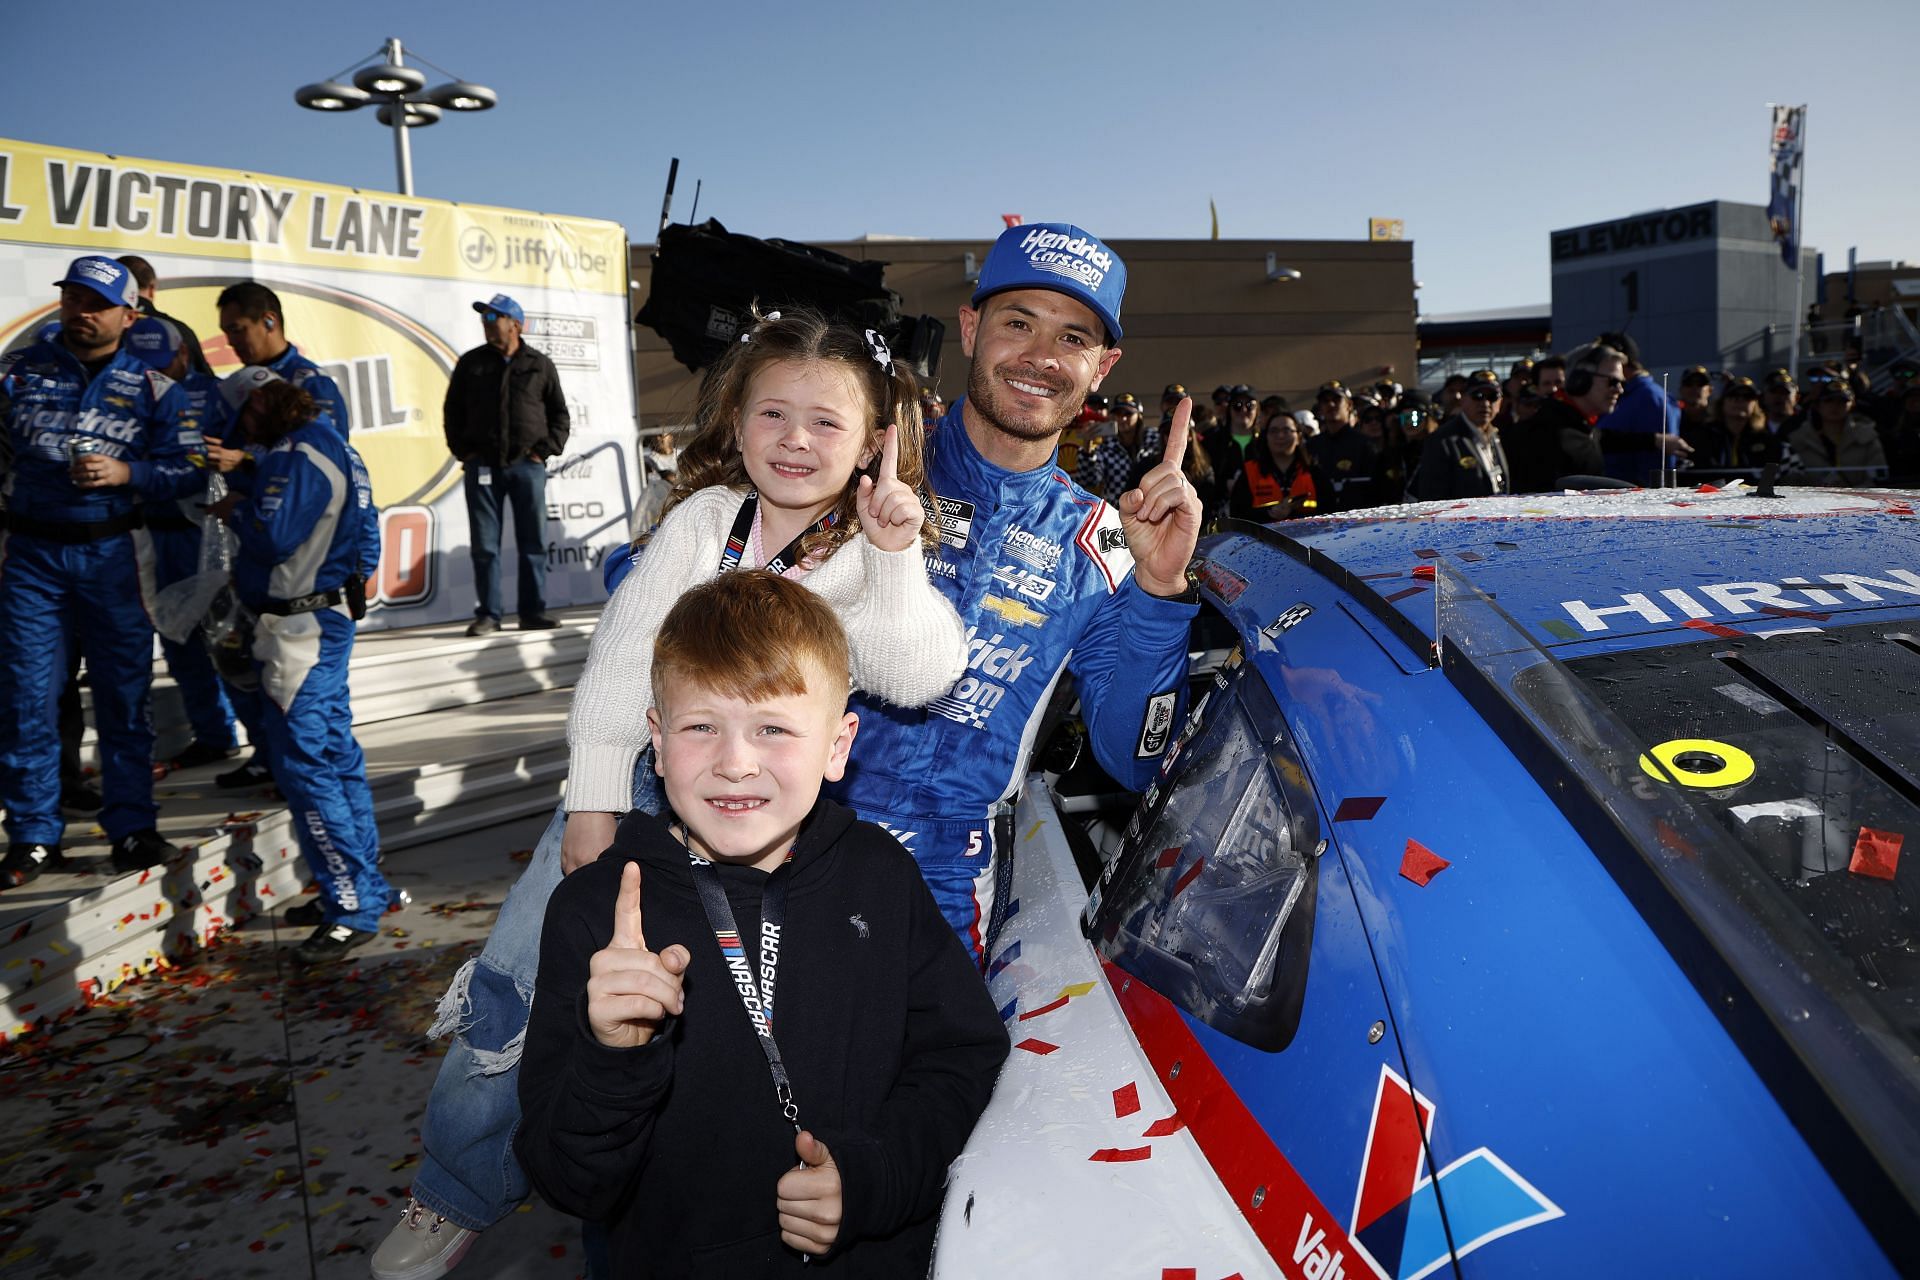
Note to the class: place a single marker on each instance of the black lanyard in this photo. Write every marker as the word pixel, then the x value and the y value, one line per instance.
pixel 755 994
pixel 790 555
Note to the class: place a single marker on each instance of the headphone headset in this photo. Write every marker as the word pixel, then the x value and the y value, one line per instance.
pixel 1582 370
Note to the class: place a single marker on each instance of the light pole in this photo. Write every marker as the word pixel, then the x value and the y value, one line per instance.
pixel 405 102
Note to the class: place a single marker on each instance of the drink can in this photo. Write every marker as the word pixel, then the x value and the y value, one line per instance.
pixel 79 447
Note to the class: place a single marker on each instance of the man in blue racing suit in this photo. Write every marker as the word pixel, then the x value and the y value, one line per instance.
pixel 1046 576
pixel 176 531
pixel 308 533
pixel 94 433
pixel 256 328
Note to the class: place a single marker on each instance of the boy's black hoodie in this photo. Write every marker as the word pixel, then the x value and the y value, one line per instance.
pixel 888 1035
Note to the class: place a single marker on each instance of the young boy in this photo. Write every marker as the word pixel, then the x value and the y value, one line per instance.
pixel 780 940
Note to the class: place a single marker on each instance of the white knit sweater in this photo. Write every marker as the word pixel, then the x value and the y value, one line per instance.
pixel 905 640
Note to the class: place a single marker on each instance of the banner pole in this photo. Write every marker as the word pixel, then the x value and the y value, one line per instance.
pixel 1800 244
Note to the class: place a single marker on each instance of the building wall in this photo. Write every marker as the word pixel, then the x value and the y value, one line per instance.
pixel 1687 283
pixel 1198 312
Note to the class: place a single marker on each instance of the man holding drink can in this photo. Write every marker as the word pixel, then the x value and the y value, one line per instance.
pixel 94 433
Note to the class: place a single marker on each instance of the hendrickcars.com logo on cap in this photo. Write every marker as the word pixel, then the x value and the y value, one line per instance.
pixel 1060 257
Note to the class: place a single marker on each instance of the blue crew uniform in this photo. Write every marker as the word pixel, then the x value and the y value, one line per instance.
pixel 310 378
pixel 1039 571
pixel 306 527
pixel 76 568
pixel 176 530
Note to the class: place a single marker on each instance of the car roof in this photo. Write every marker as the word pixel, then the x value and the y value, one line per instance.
pixel 1625 569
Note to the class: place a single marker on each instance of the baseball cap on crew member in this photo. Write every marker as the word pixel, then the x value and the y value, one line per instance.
pixel 236 387
pixel 105 277
pixel 155 341
pixel 1742 386
pixel 1174 391
pixel 1780 378
pixel 1333 390
pixel 1126 402
pixel 505 306
pixel 1240 393
pixel 1697 376
pixel 1063 258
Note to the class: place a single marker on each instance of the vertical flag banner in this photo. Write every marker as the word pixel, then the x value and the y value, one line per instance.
pixel 1783 202
pixel 378 289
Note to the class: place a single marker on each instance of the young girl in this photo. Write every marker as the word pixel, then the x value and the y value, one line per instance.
pixel 808 461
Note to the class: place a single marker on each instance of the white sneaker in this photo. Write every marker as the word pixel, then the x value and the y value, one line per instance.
pixel 422 1246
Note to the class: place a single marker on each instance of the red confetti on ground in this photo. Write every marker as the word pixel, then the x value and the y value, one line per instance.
pixel 1126 1100
pixel 1402 595
pixel 1165 1127
pixel 1876 853
pixel 1122 1155
pixel 1424 572
pixel 1714 629
pixel 258 1246
pixel 558 1250
pixel 1045 1008
pixel 1040 1047
pixel 1427 553
pixel 1421 864
pixel 1179 1273
pixel 1358 808
pixel 1707 488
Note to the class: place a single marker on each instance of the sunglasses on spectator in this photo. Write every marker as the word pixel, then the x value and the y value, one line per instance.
pixel 1483 394
pixel 492 316
pixel 1610 380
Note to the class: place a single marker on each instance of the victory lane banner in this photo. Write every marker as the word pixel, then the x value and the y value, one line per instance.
pixel 378 289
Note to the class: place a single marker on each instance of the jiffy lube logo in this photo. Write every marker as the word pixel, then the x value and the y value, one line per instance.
pixel 390 369
pixel 1076 257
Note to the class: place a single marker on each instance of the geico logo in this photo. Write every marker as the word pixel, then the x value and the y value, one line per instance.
pixel 576 510
pixel 367 383
pixel 995 658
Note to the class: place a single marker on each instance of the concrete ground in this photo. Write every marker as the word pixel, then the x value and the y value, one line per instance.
pixel 238 1117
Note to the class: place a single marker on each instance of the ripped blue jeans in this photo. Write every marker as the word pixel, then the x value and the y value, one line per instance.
pixel 468 1173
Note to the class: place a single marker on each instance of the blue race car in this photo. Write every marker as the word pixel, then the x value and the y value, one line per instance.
pixel 1526 894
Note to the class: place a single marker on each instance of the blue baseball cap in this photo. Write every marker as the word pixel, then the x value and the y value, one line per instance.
pixel 105 277
pixel 505 306
pixel 1061 257
pixel 154 341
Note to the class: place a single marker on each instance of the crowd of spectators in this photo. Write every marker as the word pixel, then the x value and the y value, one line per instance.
pixel 1591 417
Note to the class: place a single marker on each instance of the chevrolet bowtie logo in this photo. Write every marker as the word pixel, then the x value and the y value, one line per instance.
pixel 1013 611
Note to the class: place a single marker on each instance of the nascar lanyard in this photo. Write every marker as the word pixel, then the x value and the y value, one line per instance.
pixel 789 556
pixel 755 994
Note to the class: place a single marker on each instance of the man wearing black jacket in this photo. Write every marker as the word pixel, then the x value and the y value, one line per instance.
pixel 505 416
pixel 1463 457
pixel 1562 438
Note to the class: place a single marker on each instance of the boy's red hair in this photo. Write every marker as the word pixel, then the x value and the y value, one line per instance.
pixel 751 635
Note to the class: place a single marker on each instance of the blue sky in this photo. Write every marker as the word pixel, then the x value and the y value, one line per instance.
pixel 1483 124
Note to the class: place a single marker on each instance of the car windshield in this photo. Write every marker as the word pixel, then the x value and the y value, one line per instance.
pixel 1803 749
pixel 1755 796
